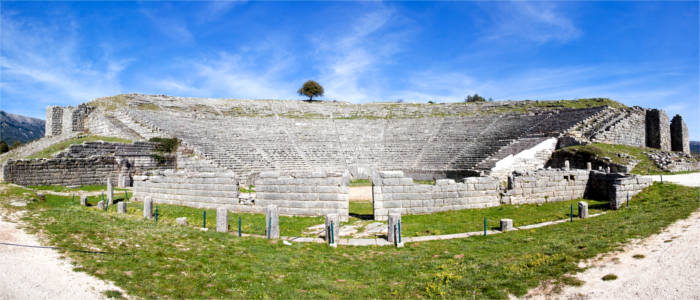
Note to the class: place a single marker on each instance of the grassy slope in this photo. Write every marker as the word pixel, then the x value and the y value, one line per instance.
pixel 150 260
pixel 645 166
pixel 58 147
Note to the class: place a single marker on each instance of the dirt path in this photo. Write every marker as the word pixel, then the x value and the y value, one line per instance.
pixel 690 179
pixel 28 271
pixel 667 267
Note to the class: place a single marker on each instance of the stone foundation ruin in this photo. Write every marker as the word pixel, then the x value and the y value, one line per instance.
pixel 301 155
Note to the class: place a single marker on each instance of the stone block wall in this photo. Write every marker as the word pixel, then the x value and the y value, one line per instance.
pixel 658 132
pixel 304 193
pixel 628 130
pixel 194 189
pixel 543 186
pixel 621 187
pixel 679 135
pixel 395 193
pixel 62 171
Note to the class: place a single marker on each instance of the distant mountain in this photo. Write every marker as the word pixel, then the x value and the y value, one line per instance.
pixel 20 128
pixel 695 147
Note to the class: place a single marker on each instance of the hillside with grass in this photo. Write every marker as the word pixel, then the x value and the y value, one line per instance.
pixel 617 154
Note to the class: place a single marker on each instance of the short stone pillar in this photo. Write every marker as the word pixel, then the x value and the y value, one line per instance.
pixel 121 207
pixel 222 219
pixel 583 210
pixel 506 225
pixel 566 165
pixel 110 191
pixel 148 208
pixel 607 170
pixel 589 166
pixel 272 222
pixel 332 229
pixel 394 230
pixel 83 200
pixel 101 205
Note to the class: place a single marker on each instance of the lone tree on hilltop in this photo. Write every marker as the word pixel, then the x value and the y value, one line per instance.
pixel 475 98
pixel 311 89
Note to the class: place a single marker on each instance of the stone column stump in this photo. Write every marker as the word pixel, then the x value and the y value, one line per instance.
pixel 583 210
pixel 101 205
pixel 589 167
pixel 506 225
pixel 222 219
pixel 335 220
pixel 121 207
pixel 83 200
pixel 148 208
pixel 566 165
pixel 272 222
pixel 110 191
pixel 394 230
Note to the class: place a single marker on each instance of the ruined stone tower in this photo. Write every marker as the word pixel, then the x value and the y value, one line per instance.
pixel 679 135
pixel 658 133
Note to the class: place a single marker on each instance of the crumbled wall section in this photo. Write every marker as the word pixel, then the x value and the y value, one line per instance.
pixel 69 166
pixel 546 186
pixel 658 131
pixel 194 189
pixel 679 135
pixel 304 193
pixel 395 193
pixel 61 171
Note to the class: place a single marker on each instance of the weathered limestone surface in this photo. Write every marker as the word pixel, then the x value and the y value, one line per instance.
pixel 621 187
pixel 394 231
pixel 272 222
pixel 546 186
pixel 582 209
pixel 65 120
pixel 395 193
pixel 222 219
pixel 658 132
pixel 679 135
pixel 305 193
pixel 148 208
pixel 83 200
pixel 506 225
pixel 181 221
pixel 121 207
pixel 60 171
pixel 626 127
pixel 195 189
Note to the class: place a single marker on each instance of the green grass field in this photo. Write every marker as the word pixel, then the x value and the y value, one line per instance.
pixel 163 261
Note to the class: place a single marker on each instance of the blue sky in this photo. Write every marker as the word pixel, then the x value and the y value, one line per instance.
pixel 639 53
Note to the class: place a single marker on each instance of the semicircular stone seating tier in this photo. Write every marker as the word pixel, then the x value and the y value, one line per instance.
pixel 247 144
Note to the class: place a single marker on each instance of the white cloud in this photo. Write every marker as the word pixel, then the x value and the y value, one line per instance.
pixel 535 21
pixel 351 62
pixel 41 61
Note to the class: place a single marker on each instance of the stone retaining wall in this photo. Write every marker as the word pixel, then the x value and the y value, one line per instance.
pixel 621 187
pixel 66 120
pixel 395 193
pixel 546 186
pixel 304 193
pixel 195 189
pixel 62 171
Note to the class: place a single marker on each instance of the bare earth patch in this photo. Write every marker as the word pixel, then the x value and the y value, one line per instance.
pixel 31 272
pixel 667 270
